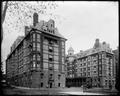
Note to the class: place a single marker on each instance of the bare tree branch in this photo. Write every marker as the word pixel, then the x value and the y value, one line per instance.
pixel 22 12
pixel 4 11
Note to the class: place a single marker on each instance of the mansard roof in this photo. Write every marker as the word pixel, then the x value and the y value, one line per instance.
pixel 102 47
pixel 43 25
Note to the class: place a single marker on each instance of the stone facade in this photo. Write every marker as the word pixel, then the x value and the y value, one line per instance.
pixel 116 67
pixel 95 65
pixel 38 60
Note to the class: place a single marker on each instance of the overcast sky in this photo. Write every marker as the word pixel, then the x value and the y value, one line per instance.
pixel 80 23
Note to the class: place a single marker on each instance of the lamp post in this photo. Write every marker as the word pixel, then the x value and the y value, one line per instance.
pixel 48 87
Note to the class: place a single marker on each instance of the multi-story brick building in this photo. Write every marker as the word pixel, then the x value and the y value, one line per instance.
pixel 38 59
pixel 116 68
pixel 96 66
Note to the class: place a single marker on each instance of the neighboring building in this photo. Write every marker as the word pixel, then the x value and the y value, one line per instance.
pixel 70 67
pixel 95 67
pixel 38 59
pixel 70 62
pixel 116 70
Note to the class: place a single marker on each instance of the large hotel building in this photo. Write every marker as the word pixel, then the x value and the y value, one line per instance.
pixel 94 67
pixel 38 58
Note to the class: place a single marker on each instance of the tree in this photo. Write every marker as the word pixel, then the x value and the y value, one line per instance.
pixel 23 11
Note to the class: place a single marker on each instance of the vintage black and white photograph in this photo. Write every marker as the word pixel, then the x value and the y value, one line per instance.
pixel 59 48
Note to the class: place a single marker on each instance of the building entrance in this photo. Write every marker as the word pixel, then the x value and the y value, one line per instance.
pixel 50 85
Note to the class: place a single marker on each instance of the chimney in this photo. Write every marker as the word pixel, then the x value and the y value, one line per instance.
pixel 97 44
pixel 97 40
pixel 26 30
pixel 104 42
pixel 35 19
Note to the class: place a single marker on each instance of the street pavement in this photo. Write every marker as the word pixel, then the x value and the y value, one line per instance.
pixel 47 91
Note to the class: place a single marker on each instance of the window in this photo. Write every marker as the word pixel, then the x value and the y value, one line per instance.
pixel 58 84
pixel 109 74
pixel 63 43
pixel 34 46
pixel 42 84
pixel 63 68
pixel 45 41
pixel 80 74
pixel 38 37
pixel 88 68
pixel 94 67
pixel 56 62
pixel 59 77
pixel 112 82
pixel 63 51
pixel 84 64
pixel 56 53
pixel 63 60
pixel 50 65
pixel 45 56
pixel 56 57
pixel 50 58
pixel 111 61
pixel 100 62
pixel 38 46
pixel 38 57
pixel 80 64
pixel 55 49
pixel 103 55
pixel 88 73
pixel 50 49
pixel 84 74
pixel 34 64
pixel 56 43
pixel 100 56
pixel 84 69
pixel 38 65
pixel 105 81
pixel 45 65
pixel 33 37
pixel 45 60
pixel 34 57
pixel 50 42
pixel 56 66
pixel 50 76
pixel 45 47
pixel 41 75
pixel 88 63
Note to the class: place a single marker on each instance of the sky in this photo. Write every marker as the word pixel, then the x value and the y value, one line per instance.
pixel 80 22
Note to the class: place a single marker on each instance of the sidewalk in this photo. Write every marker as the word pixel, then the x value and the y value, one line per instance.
pixel 101 90
pixel 19 87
